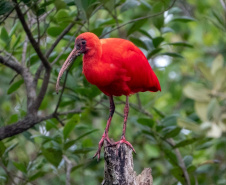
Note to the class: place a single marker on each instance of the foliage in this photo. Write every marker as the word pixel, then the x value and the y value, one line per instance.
pixel 178 132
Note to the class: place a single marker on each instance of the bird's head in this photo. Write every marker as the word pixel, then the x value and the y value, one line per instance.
pixel 85 43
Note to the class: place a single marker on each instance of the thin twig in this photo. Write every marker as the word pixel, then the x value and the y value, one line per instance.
pixel 139 101
pixel 141 110
pixel 58 119
pixel 138 19
pixel 11 81
pixel 67 46
pixel 62 90
pixel 59 38
pixel 68 169
pixel 30 36
pixel 38 27
pixel 63 33
pixel 181 163
pixel 7 172
pixel 75 111
pixel 24 51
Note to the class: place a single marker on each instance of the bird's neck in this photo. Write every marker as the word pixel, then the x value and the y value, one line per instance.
pixel 92 59
pixel 93 55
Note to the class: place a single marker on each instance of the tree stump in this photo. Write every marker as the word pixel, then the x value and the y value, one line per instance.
pixel 119 168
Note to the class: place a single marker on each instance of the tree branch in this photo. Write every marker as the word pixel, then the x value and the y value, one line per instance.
pixel 30 37
pixel 119 167
pixel 11 64
pixel 28 79
pixel 22 125
pixel 63 33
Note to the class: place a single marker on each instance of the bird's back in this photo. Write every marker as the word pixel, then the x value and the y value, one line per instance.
pixel 134 73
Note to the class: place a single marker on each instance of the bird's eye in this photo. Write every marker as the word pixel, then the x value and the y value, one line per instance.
pixel 83 42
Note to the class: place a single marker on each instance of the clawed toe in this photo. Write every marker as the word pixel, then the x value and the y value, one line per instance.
pixel 104 137
pixel 123 140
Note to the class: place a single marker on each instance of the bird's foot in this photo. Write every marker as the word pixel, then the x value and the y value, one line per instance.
pixel 104 137
pixel 123 140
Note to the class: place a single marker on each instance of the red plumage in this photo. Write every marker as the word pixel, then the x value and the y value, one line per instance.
pixel 117 67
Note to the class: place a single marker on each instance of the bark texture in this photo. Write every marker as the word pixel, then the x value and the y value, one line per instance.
pixel 119 168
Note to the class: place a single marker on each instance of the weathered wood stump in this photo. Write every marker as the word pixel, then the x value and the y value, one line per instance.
pixel 119 168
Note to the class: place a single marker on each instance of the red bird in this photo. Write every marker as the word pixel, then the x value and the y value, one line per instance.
pixel 117 67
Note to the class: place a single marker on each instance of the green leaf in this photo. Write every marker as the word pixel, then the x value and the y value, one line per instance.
pixel 11 148
pixel 184 44
pixel 13 118
pixel 68 128
pixel 185 142
pixel 54 156
pixel 15 86
pixel 72 142
pixel 13 30
pixel 2 148
pixel 146 122
pixel 197 91
pixel 188 124
pixel 178 174
pixel 136 26
pixel 219 79
pixel 205 71
pixel 4 35
pixel 144 32
pixel 20 166
pixel 166 30
pixel 176 55
pixel 201 110
pixel 54 31
pixel 83 150
pixel 77 166
pixel 218 63
pixel 170 120
pixel 170 156
pixel 191 168
pixel 161 114
pixel 50 124
pixel 129 4
pixel 157 41
pixel 138 42
pixel 5 7
pixel 183 19
pixel 188 160
pixel 153 52
pixel 218 18
pixel 169 132
pixel 36 175
pixel 214 110
pixel 159 22
pixel 59 4
pixel 17 41
pixel 63 16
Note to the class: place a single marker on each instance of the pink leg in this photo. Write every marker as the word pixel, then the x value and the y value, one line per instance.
pixel 105 134
pixel 123 139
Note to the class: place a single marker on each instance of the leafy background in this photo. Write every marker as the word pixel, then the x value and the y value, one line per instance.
pixel 179 132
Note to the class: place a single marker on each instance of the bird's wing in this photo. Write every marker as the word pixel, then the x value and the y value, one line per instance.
pixel 130 63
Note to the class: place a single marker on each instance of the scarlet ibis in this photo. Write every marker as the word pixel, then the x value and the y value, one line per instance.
pixel 117 67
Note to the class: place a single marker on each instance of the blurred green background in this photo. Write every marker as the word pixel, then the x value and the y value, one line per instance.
pixel 178 132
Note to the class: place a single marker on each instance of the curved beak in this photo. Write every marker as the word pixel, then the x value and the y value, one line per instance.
pixel 73 55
